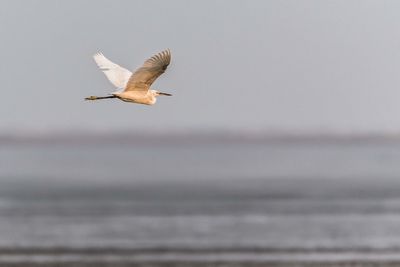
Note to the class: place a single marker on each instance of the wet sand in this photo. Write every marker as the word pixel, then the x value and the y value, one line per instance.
pixel 168 258
pixel 203 264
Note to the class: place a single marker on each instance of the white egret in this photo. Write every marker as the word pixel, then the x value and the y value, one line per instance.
pixel 136 86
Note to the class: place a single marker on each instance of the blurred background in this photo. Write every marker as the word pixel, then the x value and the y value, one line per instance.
pixel 280 144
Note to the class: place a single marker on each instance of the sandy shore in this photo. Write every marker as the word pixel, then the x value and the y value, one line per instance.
pixel 159 258
pixel 203 264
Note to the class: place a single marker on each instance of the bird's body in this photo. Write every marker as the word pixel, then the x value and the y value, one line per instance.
pixel 136 86
pixel 147 98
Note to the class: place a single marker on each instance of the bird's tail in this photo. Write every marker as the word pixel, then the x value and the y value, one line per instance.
pixel 92 97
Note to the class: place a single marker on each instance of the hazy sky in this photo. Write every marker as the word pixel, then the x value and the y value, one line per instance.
pixel 239 65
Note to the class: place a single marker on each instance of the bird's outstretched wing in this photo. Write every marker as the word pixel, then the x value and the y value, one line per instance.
pixel 152 68
pixel 117 75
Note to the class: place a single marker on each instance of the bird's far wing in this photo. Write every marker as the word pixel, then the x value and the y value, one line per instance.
pixel 152 68
pixel 117 75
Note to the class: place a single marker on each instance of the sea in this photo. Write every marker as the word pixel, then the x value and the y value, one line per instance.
pixel 210 203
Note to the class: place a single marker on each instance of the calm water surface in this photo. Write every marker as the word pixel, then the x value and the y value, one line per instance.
pixel 284 197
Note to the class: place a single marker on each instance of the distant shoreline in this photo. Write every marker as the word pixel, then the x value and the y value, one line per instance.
pixel 159 138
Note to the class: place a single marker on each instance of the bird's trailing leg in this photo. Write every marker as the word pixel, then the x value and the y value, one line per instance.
pixel 99 97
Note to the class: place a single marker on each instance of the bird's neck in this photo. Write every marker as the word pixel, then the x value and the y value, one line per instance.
pixel 152 98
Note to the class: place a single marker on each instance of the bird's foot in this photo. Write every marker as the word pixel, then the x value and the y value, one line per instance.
pixel 92 97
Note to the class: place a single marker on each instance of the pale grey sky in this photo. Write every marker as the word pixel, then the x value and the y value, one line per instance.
pixel 240 65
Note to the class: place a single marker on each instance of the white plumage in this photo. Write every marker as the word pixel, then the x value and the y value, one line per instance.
pixel 136 85
pixel 117 75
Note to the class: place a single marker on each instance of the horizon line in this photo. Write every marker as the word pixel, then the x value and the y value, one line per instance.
pixel 219 136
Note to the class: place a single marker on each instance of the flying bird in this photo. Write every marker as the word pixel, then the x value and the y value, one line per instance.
pixel 136 86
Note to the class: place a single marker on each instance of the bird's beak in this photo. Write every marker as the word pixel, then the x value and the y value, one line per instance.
pixel 164 94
